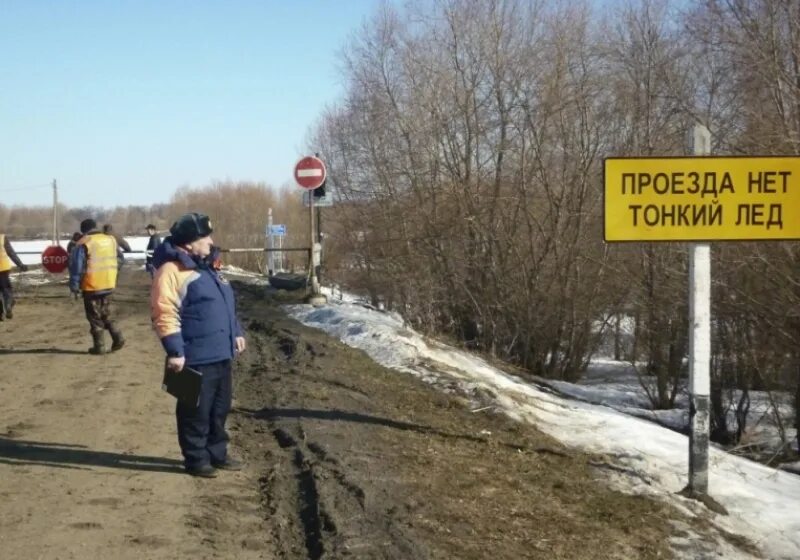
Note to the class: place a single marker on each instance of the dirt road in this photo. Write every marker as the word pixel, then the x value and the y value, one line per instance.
pixel 344 458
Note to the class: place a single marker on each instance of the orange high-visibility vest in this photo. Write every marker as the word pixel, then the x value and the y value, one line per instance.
pixel 101 262
pixel 5 262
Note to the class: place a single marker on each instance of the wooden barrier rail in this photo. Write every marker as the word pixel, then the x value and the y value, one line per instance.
pixel 234 250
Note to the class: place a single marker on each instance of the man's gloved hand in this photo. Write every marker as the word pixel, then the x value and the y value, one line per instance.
pixel 23 268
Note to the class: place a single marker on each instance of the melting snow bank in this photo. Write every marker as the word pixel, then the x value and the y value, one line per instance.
pixel 647 458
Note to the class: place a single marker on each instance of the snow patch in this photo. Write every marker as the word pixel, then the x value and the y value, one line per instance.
pixel 762 501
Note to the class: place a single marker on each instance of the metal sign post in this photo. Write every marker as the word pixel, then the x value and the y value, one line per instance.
pixel 270 258
pixel 314 281
pixel 280 261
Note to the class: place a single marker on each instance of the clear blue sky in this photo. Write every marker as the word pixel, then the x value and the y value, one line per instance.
pixel 122 102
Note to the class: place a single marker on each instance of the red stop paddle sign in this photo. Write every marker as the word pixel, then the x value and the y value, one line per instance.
pixel 310 172
pixel 55 258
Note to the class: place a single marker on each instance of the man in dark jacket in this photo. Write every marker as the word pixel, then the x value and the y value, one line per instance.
pixel 93 271
pixel 7 257
pixel 152 245
pixel 194 314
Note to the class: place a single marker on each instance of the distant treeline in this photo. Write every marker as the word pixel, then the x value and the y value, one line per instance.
pixel 238 212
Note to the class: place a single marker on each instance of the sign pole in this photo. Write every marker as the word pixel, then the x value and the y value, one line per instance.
pixel 319 245
pixel 314 282
pixel 270 261
pixel 280 254
pixel 699 343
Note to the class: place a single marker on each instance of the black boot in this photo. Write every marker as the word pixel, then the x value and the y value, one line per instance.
pixel 6 305
pixel 99 347
pixel 117 340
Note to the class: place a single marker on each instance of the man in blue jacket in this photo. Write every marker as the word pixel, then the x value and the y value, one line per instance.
pixel 193 311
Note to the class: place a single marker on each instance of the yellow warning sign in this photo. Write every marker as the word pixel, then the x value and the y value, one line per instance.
pixel 702 198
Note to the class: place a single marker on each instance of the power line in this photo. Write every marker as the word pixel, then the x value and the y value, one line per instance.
pixel 26 188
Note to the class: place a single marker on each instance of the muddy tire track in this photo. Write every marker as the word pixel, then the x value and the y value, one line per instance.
pixel 329 513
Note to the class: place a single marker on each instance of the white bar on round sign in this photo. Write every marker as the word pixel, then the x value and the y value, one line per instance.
pixel 309 172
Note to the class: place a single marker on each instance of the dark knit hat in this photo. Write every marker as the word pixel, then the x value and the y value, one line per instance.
pixel 190 227
pixel 88 225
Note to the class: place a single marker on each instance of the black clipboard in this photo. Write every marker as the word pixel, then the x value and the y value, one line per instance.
pixel 184 385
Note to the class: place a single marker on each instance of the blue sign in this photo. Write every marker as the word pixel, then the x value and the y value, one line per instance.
pixel 279 229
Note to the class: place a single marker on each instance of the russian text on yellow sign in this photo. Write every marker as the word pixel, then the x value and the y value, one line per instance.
pixel 702 198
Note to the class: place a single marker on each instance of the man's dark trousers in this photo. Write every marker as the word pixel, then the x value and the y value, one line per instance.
pixel 6 292
pixel 98 312
pixel 201 429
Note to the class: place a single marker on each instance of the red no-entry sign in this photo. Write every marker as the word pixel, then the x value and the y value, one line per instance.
pixel 55 258
pixel 310 172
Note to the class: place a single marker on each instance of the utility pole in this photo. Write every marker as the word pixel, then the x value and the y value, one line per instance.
pixel 55 213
